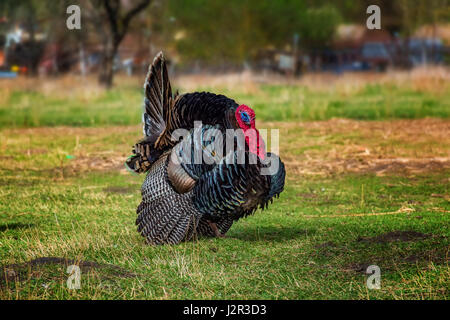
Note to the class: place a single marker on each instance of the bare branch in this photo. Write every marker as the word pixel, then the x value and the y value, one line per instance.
pixel 112 11
pixel 119 26
pixel 141 6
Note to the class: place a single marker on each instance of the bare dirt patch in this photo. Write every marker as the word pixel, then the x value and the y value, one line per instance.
pixel 119 190
pixel 35 269
pixel 422 259
pixel 405 147
pixel 113 162
pixel 34 151
pixel 396 236
pixel 328 244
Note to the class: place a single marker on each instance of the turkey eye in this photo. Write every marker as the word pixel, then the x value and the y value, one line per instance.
pixel 245 117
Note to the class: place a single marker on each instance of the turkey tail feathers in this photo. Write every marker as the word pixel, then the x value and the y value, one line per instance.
pixel 164 216
pixel 158 97
pixel 162 225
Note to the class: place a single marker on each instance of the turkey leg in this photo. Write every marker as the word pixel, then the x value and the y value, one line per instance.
pixel 215 229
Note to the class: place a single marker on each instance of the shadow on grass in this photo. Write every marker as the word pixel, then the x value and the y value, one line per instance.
pixel 15 226
pixel 270 233
pixel 54 268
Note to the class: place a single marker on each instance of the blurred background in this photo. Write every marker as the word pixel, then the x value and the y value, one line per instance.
pixel 289 37
pixel 290 60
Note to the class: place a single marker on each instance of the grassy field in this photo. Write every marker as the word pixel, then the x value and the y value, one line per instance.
pixel 357 193
pixel 79 102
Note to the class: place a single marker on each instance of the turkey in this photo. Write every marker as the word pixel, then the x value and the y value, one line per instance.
pixel 196 184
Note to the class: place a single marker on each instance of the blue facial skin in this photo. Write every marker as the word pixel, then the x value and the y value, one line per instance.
pixel 245 117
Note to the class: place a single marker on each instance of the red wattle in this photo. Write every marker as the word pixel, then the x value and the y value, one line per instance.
pixel 255 144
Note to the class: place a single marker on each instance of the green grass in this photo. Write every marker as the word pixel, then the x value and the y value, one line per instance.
pixel 374 102
pixel 34 109
pixel 122 105
pixel 278 254
pixel 357 193
pixel 312 243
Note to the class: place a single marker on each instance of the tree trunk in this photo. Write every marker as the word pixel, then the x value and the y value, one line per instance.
pixel 107 66
pixel 106 71
pixel 118 27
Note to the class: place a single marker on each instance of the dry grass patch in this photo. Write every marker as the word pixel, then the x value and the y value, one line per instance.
pixel 405 147
pixel 336 146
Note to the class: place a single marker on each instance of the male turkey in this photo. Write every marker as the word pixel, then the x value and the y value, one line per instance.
pixel 182 197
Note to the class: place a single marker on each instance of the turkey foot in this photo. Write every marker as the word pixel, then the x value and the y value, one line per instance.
pixel 215 229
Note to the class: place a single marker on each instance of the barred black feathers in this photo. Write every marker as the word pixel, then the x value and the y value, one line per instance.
pixel 157 98
pixel 181 197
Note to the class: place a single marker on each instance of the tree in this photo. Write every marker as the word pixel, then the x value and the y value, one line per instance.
pixel 113 22
pixel 235 30
pixel 319 25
